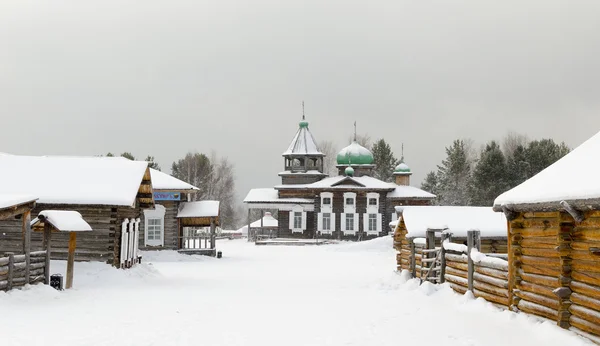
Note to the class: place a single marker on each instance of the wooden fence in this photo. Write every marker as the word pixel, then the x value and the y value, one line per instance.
pixel 484 275
pixel 14 271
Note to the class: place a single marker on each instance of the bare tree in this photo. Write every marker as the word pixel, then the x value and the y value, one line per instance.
pixel 512 141
pixel 364 140
pixel 329 161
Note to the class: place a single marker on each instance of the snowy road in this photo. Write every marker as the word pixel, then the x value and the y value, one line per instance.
pixel 328 295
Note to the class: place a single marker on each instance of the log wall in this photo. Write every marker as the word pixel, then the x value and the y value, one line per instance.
pixel 556 265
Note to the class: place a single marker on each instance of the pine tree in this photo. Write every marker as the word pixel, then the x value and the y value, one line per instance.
pixel 489 178
pixel 152 163
pixel 431 185
pixel 517 167
pixel 542 153
pixel 454 174
pixel 384 161
pixel 128 155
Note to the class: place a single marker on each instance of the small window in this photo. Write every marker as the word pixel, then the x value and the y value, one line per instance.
pixel 297 220
pixel 372 222
pixel 327 221
pixel 349 222
pixel 154 229
pixel 372 201
pixel 326 201
pixel 349 201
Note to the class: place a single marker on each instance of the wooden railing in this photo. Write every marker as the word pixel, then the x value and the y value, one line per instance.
pixel 14 271
pixel 202 241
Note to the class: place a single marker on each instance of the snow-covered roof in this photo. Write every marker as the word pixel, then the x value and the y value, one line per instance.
pixel 164 181
pixel 268 221
pixel 7 201
pixel 65 221
pixel 303 143
pixel 72 180
pixel 574 178
pixel 270 195
pixel 343 182
pixel 458 220
pixel 409 192
pixel 199 209
pixel 311 172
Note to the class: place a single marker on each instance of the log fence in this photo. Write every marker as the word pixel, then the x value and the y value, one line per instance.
pixel 17 270
pixel 464 268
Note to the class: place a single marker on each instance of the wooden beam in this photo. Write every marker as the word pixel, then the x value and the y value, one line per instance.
pixel 14 211
pixel 26 225
pixel 576 214
pixel 48 248
pixel 144 195
pixel 71 259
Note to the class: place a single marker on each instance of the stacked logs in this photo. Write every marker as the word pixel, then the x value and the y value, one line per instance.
pixel 489 276
pixel 14 272
pixel 580 272
pixel 535 264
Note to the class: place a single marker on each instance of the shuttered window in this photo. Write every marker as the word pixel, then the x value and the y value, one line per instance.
pixel 297 220
pixel 349 222
pixel 372 222
pixel 326 221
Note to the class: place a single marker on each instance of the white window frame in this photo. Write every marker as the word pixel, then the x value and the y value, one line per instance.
pixel 366 225
pixel 331 221
pixel 372 209
pixel 343 225
pixel 292 217
pixel 349 228
pixel 158 212
pixel 372 222
pixel 327 208
pixel 297 219
pixel 350 208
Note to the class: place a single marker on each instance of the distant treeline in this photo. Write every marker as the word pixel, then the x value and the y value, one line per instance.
pixel 476 178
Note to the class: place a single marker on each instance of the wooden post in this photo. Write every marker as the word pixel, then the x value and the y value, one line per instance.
pixel 48 247
pixel 430 236
pixel 515 226
pixel 249 236
pixel 445 237
pixel 71 259
pixel 471 265
pixel 11 269
pixel 27 243
pixel 564 248
pixel 212 233
pixel 413 259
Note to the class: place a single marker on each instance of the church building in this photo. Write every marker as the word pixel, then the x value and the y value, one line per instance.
pixel 350 206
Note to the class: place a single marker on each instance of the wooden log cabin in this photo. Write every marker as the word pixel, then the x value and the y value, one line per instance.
pixel 554 241
pixel 350 206
pixel 159 227
pixel 109 193
pixel 414 222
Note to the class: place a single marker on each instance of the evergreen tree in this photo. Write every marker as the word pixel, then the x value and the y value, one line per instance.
pixel 542 153
pixel 454 174
pixel 517 167
pixel 384 161
pixel 489 178
pixel 152 163
pixel 128 155
pixel 431 185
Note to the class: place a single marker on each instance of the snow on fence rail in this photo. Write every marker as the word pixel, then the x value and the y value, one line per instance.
pixel 485 276
pixel 469 269
pixel 14 271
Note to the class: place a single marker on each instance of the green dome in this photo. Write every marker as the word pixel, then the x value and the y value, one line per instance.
pixel 355 154
pixel 402 168
pixel 349 171
pixel 304 123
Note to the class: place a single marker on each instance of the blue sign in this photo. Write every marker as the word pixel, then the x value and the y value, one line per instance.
pixel 167 196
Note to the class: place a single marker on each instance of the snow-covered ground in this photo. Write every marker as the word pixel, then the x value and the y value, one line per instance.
pixel 345 294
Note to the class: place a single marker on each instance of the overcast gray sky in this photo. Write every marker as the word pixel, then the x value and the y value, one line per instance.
pixel 168 77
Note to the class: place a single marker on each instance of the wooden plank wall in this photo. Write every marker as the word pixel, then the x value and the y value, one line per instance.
pixel 171 227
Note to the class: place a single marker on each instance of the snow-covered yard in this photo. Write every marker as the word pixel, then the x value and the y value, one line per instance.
pixel 345 294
